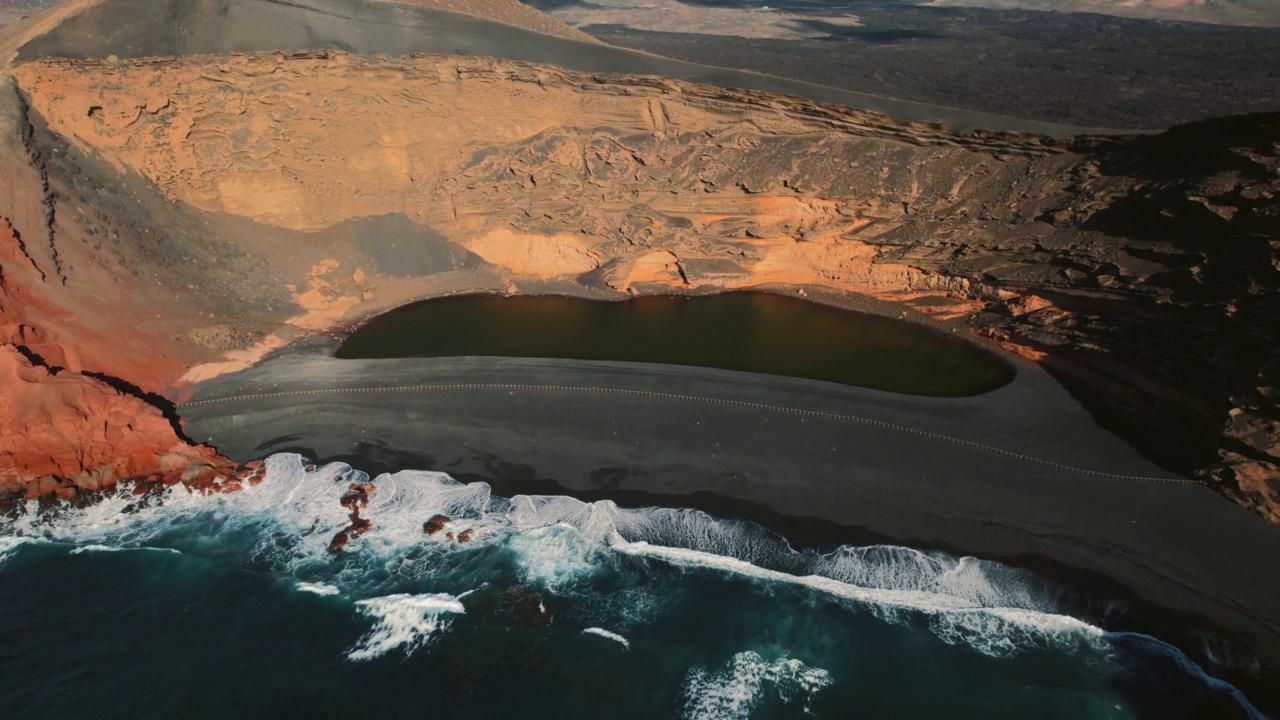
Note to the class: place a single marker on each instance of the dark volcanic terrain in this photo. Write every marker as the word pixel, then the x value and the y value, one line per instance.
pixel 1073 68
pixel 183 192
pixel 1140 271
pixel 13 10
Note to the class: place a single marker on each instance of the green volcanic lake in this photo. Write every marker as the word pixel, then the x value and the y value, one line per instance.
pixel 753 332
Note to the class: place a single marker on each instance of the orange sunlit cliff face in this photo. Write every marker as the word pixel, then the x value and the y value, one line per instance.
pixel 167 219
pixel 64 431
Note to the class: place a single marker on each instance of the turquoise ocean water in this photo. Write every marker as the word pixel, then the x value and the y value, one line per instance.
pixel 232 606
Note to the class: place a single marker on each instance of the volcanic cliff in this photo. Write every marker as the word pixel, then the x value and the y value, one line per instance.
pixel 171 216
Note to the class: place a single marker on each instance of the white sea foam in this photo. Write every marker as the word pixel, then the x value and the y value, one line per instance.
pixel 10 543
pixel 292 500
pixel 286 522
pixel 557 542
pixel 318 588
pixel 978 582
pixel 402 501
pixel 993 631
pixel 403 621
pixel 555 556
pixel 94 548
pixel 1151 645
pixel 110 549
pixel 597 520
pixel 610 635
pixel 735 689
pixel 696 530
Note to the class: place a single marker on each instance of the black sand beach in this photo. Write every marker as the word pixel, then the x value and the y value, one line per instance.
pixel 1022 475
pixel 789 453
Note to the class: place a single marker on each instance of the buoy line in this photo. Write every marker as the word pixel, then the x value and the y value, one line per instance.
pixel 844 417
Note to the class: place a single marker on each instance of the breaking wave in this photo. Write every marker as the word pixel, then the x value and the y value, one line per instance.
pixel 558 543
pixel 733 691
pixel 587 566
pixel 107 548
pixel 403 621
pixel 318 588
pixel 10 543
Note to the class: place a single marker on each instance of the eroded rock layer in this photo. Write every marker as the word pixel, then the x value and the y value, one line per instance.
pixel 65 431
pixel 234 203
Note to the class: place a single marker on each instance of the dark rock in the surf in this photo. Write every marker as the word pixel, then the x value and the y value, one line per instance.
pixel 517 605
pixel 338 541
pixel 357 495
pixel 510 631
pixel 358 525
pixel 525 605
pixel 352 498
pixel 464 536
pixel 435 524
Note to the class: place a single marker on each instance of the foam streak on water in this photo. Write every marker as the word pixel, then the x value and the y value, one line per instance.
pixel 598 563
pixel 107 548
pixel 402 621
pixel 996 631
pixel 608 635
pixel 318 588
pixel 558 542
pixel 734 690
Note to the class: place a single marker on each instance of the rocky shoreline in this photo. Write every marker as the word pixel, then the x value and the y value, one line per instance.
pixel 168 220
pixel 1173 553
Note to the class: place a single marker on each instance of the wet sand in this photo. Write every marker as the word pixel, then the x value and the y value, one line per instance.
pixel 788 453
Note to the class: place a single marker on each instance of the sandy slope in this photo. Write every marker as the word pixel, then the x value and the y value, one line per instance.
pixel 170 219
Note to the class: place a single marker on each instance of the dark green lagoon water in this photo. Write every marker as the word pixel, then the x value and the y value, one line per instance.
pixel 180 605
pixel 754 332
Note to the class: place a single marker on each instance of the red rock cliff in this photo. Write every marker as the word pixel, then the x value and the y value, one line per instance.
pixel 64 432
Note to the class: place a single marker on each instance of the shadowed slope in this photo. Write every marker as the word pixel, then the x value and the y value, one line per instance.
pixel 291 186
pixel 150 28
pixel 172 219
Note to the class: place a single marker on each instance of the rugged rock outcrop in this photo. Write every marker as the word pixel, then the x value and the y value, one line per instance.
pixel 177 217
pixel 355 499
pixel 435 524
pixel 1168 325
pixel 63 433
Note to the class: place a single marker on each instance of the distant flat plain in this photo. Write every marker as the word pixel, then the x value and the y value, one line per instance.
pixel 1071 68
pixel 11 10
